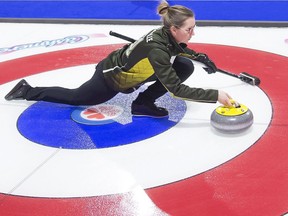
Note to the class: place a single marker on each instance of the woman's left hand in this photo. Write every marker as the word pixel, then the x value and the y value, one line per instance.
pixel 203 58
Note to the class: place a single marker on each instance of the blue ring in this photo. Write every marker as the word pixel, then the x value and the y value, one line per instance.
pixel 50 124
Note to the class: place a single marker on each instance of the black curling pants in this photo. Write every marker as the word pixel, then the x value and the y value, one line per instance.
pixel 183 67
pixel 96 91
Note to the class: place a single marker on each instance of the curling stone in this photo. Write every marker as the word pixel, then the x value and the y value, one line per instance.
pixel 232 119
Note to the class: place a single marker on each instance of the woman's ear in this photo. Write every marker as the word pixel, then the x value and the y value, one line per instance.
pixel 173 30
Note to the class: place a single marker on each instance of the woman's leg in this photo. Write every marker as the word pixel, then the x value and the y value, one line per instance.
pixel 94 91
pixel 183 67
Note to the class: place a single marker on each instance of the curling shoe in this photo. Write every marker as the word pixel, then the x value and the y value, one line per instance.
pixel 18 92
pixel 148 110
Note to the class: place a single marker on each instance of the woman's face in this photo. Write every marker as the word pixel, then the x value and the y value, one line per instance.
pixel 184 33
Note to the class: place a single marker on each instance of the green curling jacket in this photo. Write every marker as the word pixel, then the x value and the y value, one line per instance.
pixel 149 58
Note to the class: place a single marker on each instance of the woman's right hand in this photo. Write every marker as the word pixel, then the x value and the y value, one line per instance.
pixel 224 98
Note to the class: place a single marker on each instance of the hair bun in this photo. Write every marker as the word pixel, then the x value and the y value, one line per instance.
pixel 162 9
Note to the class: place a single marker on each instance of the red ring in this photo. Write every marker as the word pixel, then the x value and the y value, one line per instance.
pixel 239 187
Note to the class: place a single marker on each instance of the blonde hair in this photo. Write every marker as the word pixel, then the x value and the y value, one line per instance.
pixel 173 15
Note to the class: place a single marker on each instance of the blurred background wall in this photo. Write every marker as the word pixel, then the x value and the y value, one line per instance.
pixel 273 12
